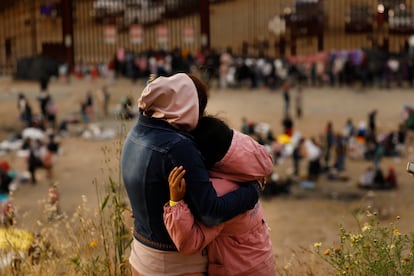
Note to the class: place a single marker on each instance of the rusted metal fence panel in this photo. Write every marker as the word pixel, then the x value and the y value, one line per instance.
pixel 253 27
pixel 25 27
pixel 102 27
pixel 347 24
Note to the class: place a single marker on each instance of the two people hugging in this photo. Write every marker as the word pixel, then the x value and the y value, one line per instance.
pixel 193 185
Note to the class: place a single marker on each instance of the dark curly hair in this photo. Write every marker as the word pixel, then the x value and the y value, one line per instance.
pixel 202 92
pixel 213 137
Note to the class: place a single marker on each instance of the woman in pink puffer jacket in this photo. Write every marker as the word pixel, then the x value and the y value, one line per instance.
pixel 242 245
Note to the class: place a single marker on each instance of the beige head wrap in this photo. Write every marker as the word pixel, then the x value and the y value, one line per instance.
pixel 172 98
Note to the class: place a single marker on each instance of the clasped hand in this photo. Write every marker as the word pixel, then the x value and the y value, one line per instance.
pixel 177 184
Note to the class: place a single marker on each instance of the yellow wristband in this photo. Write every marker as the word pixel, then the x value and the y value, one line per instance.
pixel 173 203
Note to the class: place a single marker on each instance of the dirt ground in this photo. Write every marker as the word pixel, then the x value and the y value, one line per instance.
pixel 297 220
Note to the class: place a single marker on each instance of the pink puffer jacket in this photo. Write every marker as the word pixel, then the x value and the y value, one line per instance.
pixel 242 245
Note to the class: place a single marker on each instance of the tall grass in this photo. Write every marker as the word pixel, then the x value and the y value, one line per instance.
pixel 109 251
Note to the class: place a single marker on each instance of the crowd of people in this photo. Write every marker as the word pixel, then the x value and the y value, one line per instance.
pixel 329 153
pixel 291 74
pixel 40 129
pixel 38 133
pixel 36 141
pixel 369 67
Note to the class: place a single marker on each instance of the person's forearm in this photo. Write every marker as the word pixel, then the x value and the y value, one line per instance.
pixel 201 197
pixel 188 235
pixel 220 209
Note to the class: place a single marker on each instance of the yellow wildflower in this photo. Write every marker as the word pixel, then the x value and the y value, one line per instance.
pixel 355 239
pixel 396 232
pixel 93 244
pixel 317 244
pixel 366 227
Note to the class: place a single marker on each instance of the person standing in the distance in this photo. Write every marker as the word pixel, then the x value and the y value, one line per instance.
pixel 25 110
pixel 313 155
pixel 349 129
pixel 286 98
pixel 299 101
pixel 226 60
pixel 51 114
pixel 329 144
pixel 170 108
pixel 340 152
pixel 297 155
pixel 43 99
pixel 372 123
pixel 105 96
pixel 89 105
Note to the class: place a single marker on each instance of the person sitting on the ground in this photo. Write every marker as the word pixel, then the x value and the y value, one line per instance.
pixel 39 157
pixel 401 137
pixel 52 144
pixel 391 178
pixel 366 180
pixel 277 186
pixel 232 157
pixel 409 120
pixel 5 178
pixel 247 126
pixel 313 155
pixel 373 178
pixel 287 124
pixel 379 179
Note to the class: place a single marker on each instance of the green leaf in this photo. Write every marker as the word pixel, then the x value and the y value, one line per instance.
pixel 105 202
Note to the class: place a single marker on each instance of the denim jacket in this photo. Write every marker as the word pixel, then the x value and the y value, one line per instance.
pixel 151 150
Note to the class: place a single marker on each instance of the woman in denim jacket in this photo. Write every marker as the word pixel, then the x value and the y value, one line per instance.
pixel 170 108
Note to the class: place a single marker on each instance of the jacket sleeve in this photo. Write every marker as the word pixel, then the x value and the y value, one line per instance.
pixel 188 235
pixel 201 197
